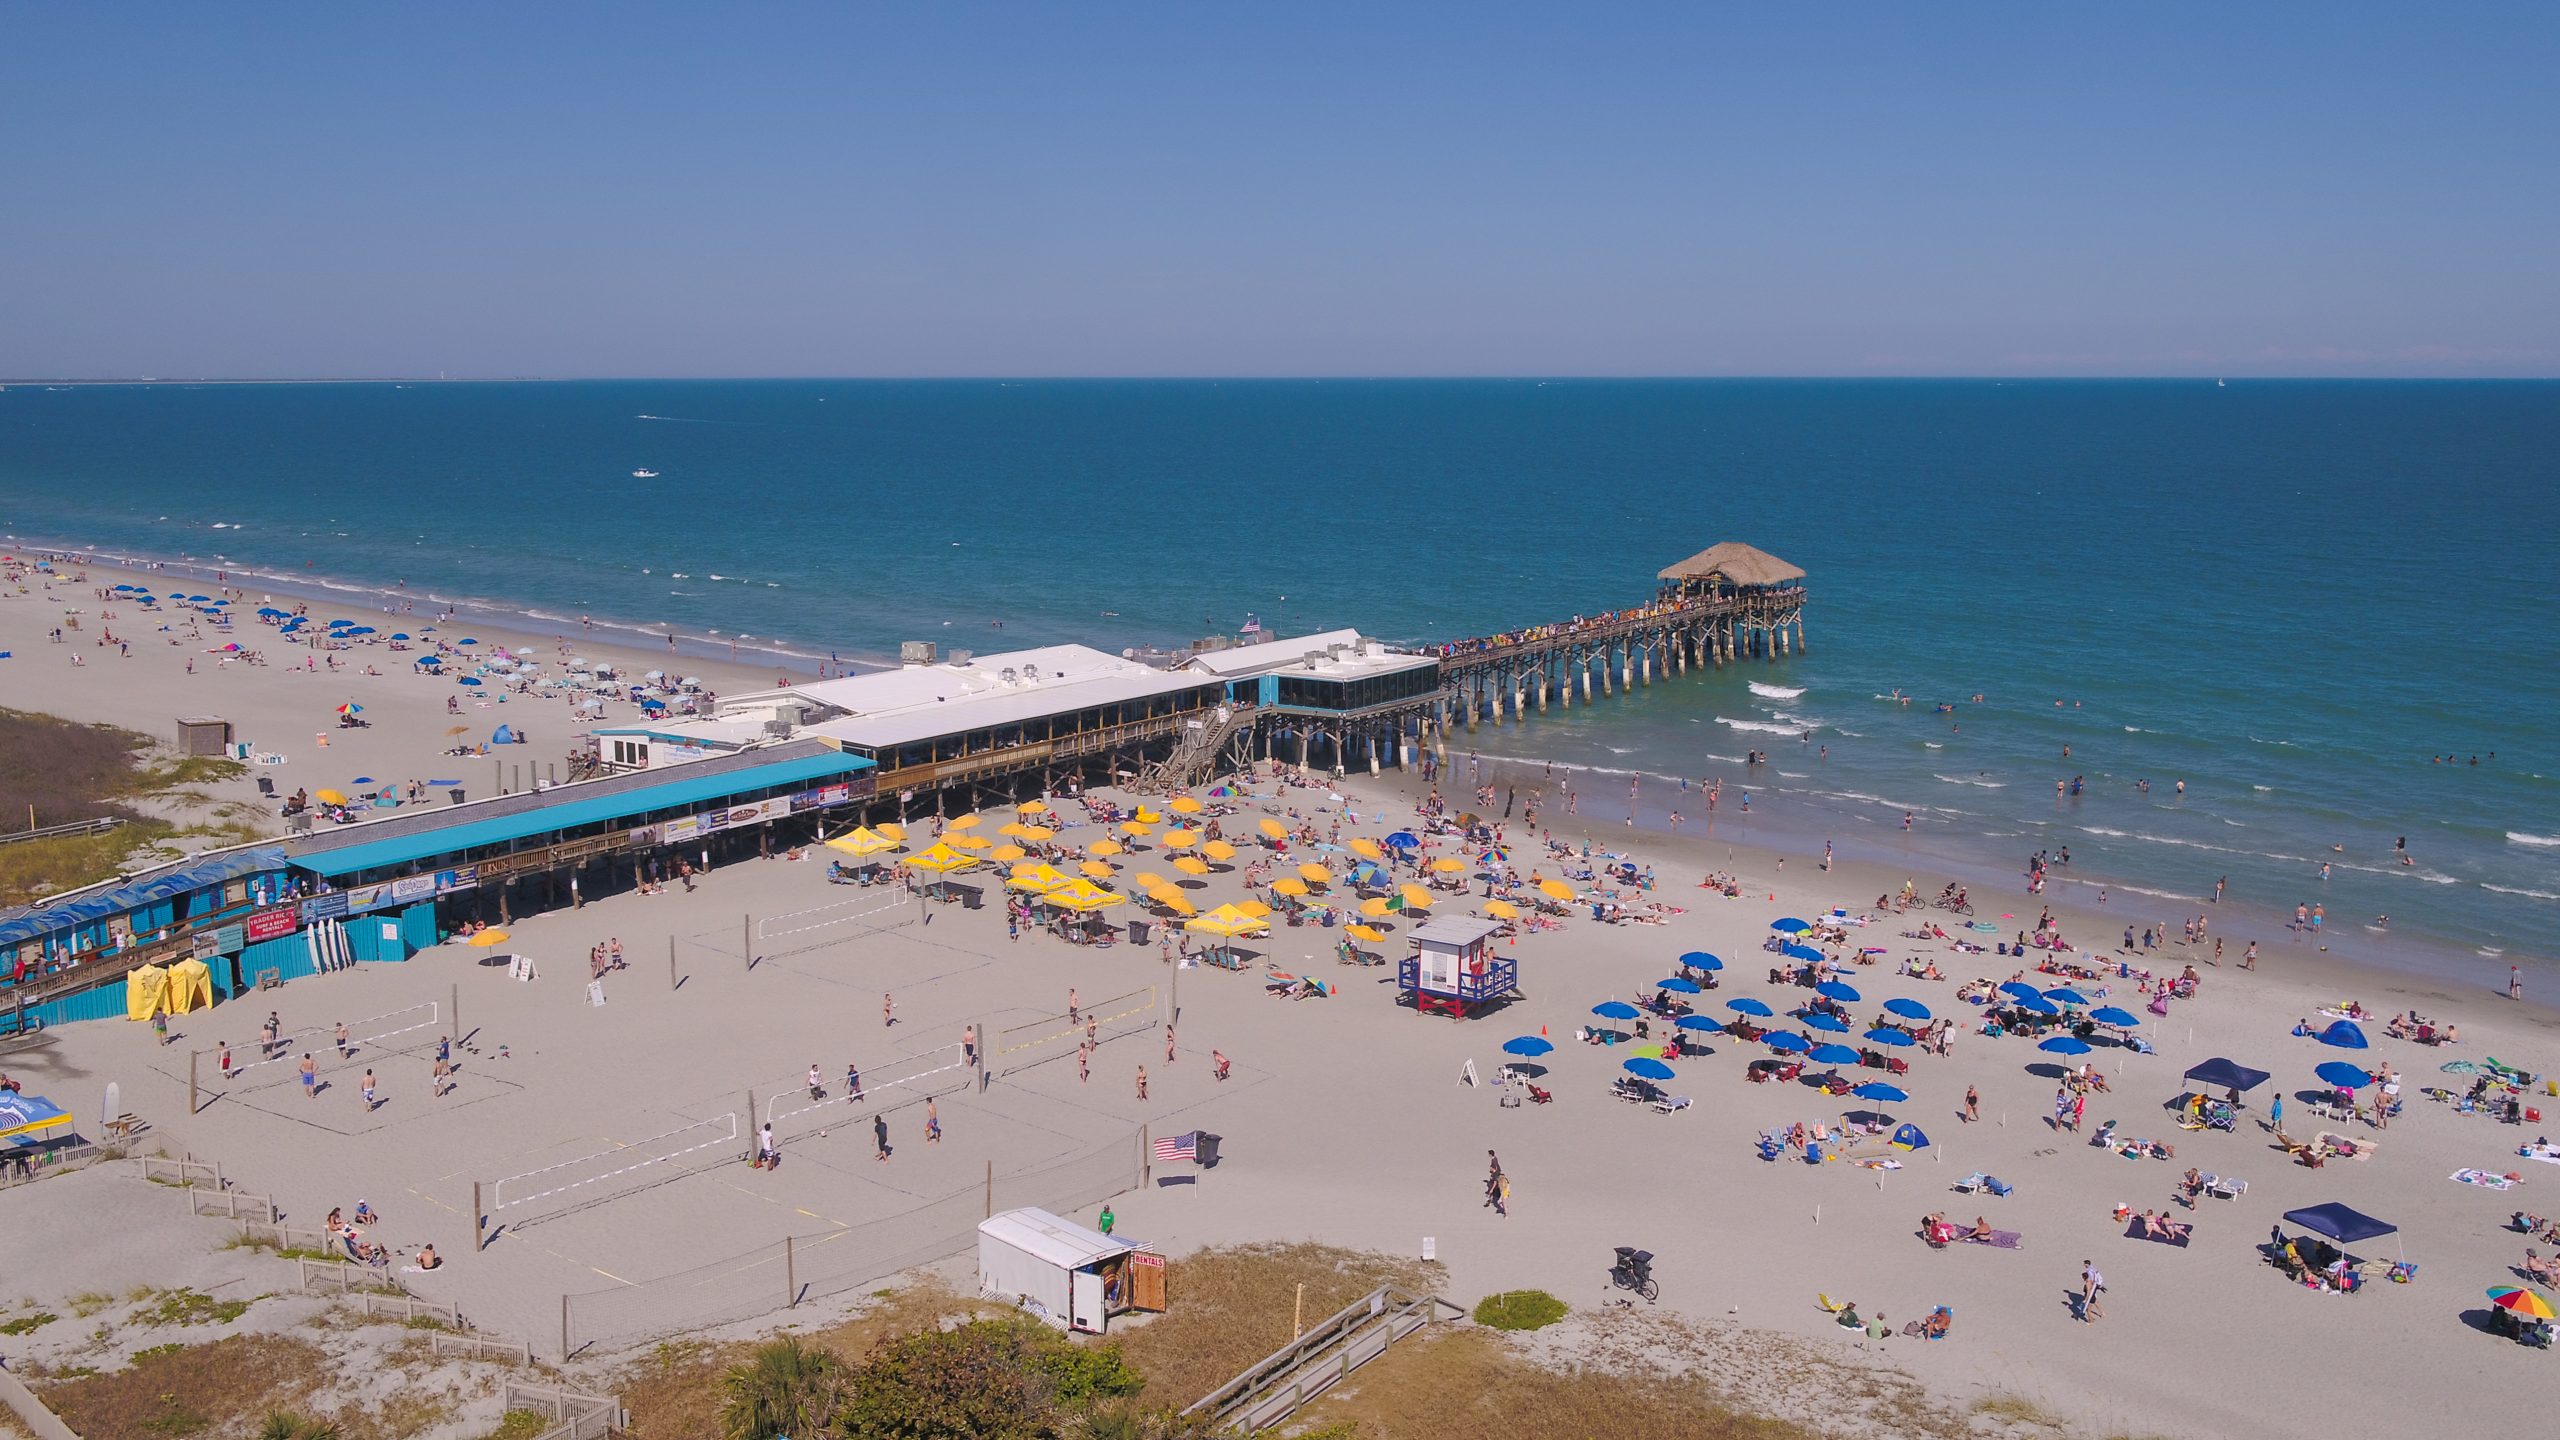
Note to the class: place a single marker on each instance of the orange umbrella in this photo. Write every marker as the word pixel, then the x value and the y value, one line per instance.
pixel 1006 852
pixel 966 841
pixel 1137 827
pixel 1149 880
pixel 1254 908
pixel 1375 908
pixel 892 829
pixel 1179 839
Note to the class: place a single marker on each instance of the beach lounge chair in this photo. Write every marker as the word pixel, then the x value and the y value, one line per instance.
pixel 1670 1104
pixel 1972 1183
pixel 2227 1187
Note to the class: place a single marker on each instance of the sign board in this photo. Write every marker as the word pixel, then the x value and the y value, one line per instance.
pixel 206 944
pixel 270 924
pixel 325 907
pixel 466 877
pixel 412 887
pixel 646 836
pixel 366 897
pixel 683 828
pixel 229 939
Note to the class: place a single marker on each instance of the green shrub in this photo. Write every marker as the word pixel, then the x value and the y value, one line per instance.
pixel 1519 1310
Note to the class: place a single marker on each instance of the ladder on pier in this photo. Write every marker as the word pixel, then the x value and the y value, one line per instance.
pixel 1316 1361
pixel 1197 753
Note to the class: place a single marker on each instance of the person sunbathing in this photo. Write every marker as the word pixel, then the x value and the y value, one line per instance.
pixel 2154 1226
pixel 1981 1230
pixel 2537 1268
pixel 1937 1325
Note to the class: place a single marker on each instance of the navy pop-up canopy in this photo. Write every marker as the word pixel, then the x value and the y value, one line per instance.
pixel 2340 1223
pixel 2228 1074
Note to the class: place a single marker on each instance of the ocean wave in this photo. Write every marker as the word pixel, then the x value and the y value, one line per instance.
pixel 1970 780
pixel 1776 692
pixel 1932 744
pixel 2518 837
pixel 2284 744
pixel 1728 759
pixel 1765 726
pixel 2264 789
pixel 1793 775
pixel 2513 890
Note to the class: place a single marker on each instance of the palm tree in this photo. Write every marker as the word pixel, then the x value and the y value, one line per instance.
pixel 788 1388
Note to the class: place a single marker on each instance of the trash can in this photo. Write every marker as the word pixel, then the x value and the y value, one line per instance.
pixel 1205 1150
pixel 971 897
pixel 1137 932
pixel 454 795
pixel 267 785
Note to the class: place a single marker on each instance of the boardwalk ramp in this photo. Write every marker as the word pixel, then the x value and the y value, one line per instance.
pixel 1272 1390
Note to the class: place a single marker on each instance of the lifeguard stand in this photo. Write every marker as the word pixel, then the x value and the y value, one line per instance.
pixel 1454 969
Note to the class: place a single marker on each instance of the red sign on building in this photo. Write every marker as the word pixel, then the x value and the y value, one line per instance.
pixel 268 924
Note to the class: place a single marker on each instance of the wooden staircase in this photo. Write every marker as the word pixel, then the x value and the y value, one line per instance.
pixel 1269 1392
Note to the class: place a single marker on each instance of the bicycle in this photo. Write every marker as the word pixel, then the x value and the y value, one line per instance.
pixel 1634 1271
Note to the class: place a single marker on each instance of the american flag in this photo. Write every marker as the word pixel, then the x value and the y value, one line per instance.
pixel 1185 1146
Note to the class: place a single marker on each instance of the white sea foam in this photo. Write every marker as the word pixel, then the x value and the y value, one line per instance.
pixel 1793 775
pixel 1971 780
pixel 1761 725
pixel 2264 789
pixel 1727 759
pixel 2518 837
pixel 1776 692
pixel 2513 890
pixel 1932 744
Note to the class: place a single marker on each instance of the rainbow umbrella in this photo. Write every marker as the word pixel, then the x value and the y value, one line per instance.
pixel 2524 1302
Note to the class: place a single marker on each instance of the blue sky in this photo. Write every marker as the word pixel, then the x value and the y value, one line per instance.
pixel 1302 189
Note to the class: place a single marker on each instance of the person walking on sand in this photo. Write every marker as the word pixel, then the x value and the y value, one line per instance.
pixel 1168 1042
pixel 852 1083
pixel 879 1138
pixel 969 1045
pixel 2092 1285
pixel 342 1040
pixel 932 1123
pixel 1142 1082
pixel 225 1062
pixel 1084 1063
pixel 2249 958
pixel 1502 1196
pixel 369 1102
pixel 1075 1009
pixel 888 1010
pixel 310 1077
pixel 2515 982
pixel 1972 1104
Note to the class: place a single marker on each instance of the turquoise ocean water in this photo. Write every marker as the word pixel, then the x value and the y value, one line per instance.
pixel 2289 595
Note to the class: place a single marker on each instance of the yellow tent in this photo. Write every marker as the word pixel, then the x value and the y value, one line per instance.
pixel 1415 897
pixel 1218 850
pixel 1502 910
pixel 1183 805
pixel 146 992
pixel 1368 849
pixel 1190 864
pixel 1274 828
pixel 862 840
pixel 1039 879
pixel 190 986
pixel 941 860
pixel 1083 896
pixel 1227 922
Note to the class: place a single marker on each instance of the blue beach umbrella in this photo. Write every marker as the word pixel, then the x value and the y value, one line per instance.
pixel 1878 1090
pixel 1785 1040
pixel 2065 995
pixel 1882 1036
pixel 1403 840
pixel 1806 953
pixel 2121 1019
pixel 1528 1045
pixel 1614 1010
pixel 1648 1068
pixel 1832 1055
pixel 2343 1075
pixel 1832 1023
pixel 2021 989
pixel 1697 1022
pixel 468 680
pixel 1834 990
pixel 2036 1005
pixel 1701 960
pixel 1789 926
pixel 1907 1009
pixel 1748 1006
pixel 1685 987
pixel 467 640
pixel 2065 1045
pixel 400 635
pixel 361 780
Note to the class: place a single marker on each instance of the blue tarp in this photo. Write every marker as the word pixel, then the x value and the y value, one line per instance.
pixel 570 814
pixel 2339 1223
pixel 2227 1075
pixel 183 878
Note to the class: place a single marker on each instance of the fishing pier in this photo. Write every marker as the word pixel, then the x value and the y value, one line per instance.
pixel 1726 603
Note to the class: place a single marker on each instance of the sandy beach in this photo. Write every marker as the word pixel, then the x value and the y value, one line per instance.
pixel 1349 1119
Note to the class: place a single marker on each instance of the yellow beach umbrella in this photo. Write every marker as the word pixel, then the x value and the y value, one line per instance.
pixel 1556 890
pixel 1218 850
pixel 1181 839
pixel 1031 807
pixel 967 841
pixel 1038 832
pixel 1095 869
pixel 1368 849
pixel 1502 910
pixel 1254 908
pixel 1375 908
pixel 1363 932
pixel 893 830
pixel 862 841
pixel 1102 848
pixel 486 939
pixel 1415 897
pixel 1172 900
pixel 1315 874
pixel 1039 879
pixel 1449 865
pixel 1183 805
pixel 1083 896
pixel 963 823
pixel 1227 922
pixel 1190 864
pixel 1007 852
pixel 328 797
pixel 1274 828
pixel 1011 827
pixel 1137 827
pixel 1289 885
pixel 941 860
pixel 1149 880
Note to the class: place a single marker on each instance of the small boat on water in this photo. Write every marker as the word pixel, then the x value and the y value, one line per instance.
pixel 644 474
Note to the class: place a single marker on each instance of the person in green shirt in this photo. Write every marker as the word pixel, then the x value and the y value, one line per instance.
pixel 1108 1219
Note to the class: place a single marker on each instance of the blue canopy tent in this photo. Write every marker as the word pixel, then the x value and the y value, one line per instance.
pixel 2341 1224
pixel 24 1119
pixel 504 735
pixel 1910 1137
pixel 2226 1074
pixel 2344 1035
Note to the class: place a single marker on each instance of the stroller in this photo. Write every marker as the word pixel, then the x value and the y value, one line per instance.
pixel 1634 1271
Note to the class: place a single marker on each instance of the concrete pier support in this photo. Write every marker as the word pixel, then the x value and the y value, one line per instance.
pixel 1542 689
pixel 1582 671
pixel 1608 663
pixel 1644 666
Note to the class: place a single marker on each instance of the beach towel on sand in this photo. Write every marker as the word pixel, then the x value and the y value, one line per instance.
pixel 2483 1179
pixel 2177 1240
pixel 2002 1240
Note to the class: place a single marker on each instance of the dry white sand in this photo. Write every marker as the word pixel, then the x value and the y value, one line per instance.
pixel 1347 1122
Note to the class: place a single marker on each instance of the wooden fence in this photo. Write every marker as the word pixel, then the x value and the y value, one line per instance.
pixel 231 1204
pixel 576 1416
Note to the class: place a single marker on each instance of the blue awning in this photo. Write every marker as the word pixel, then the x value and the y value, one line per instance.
pixel 571 812
pixel 124 896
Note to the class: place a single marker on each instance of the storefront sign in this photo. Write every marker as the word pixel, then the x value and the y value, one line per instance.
pixel 645 836
pixel 466 877
pixel 207 944
pixel 366 897
pixel 270 924
pixel 683 828
pixel 324 907
pixel 412 887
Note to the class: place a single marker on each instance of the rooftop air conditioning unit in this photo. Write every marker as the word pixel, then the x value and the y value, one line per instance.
pixel 778 727
pixel 962 657
pixel 1337 651
pixel 918 652
pixel 1313 658
pixel 1030 672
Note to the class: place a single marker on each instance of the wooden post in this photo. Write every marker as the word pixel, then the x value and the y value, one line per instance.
pixel 1298 1315
pixel 991 1190
pixel 751 1125
pixel 671 962
pixel 790 1275
pixel 747 939
pixel 191 1080
pixel 454 1015
pixel 479 1221
pixel 1146 1153
pixel 564 1329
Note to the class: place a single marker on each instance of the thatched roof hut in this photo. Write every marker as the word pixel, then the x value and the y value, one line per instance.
pixel 1732 563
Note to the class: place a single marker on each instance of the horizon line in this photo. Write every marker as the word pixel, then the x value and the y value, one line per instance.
pixel 2197 378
